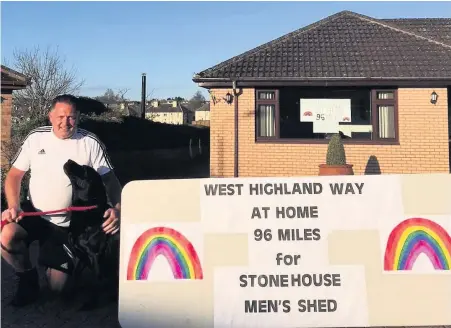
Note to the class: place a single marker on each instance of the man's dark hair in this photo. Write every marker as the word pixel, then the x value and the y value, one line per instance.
pixel 65 99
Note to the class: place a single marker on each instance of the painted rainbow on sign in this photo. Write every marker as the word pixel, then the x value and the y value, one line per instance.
pixel 414 236
pixel 178 251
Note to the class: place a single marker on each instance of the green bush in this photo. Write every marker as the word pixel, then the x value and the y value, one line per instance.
pixel 336 154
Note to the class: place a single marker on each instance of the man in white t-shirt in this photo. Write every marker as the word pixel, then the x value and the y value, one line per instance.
pixel 44 152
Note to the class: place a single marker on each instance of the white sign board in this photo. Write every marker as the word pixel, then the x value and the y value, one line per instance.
pixel 325 113
pixel 346 251
pixel 325 126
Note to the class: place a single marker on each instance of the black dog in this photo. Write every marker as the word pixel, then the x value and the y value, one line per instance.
pixel 93 249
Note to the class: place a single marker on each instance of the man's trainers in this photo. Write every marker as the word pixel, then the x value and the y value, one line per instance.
pixel 27 289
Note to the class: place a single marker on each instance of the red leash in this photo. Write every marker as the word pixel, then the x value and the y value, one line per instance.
pixel 67 209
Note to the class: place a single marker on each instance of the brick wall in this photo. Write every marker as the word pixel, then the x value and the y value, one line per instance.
pixel 6 119
pixel 423 135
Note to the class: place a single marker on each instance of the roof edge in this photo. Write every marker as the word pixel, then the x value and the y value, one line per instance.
pixel 6 85
pixel 15 74
pixel 326 82
pixel 248 79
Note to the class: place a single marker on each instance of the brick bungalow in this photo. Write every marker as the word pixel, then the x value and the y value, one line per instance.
pixel 390 79
pixel 10 81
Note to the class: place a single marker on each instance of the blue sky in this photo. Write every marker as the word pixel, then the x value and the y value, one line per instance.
pixel 112 43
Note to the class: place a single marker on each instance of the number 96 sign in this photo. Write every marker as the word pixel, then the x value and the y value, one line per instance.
pixel 260 234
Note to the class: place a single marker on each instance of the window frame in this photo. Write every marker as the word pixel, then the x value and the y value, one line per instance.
pixel 374 120
pixel 375 114
pixel 274 102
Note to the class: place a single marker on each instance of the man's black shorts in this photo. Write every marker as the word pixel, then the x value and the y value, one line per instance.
pixel 53 241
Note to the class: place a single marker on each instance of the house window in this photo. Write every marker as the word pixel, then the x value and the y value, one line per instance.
pixel 266 113
pixel 385 108
pixel 313 114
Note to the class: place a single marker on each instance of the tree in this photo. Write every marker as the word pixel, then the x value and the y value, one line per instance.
pixel 111 97
pixel 49 78
pixel 197 100
pixel 198 96
pixel 178 99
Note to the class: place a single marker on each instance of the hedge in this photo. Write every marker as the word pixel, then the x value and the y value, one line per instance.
pixel 131 133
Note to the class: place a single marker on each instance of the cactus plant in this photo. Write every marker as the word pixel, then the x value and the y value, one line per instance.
pixel 335 151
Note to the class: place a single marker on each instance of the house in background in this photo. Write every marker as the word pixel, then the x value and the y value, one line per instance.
pixel 169 113
pixel 203 113
pixel 384 83
pixel 196 112
pixel 10 81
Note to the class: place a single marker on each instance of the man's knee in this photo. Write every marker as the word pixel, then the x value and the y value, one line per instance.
pixel 57 280
pixel 13 236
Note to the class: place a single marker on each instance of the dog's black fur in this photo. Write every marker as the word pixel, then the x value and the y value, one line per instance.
pixel 93 249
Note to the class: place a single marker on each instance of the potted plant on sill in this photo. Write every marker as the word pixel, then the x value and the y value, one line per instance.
pixel 336 159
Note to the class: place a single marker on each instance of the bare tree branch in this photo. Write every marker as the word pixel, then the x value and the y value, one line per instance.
pixel 49 78
pixel 121 94
pixel 149 95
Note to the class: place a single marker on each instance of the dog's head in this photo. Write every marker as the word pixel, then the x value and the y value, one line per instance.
pixel 87 185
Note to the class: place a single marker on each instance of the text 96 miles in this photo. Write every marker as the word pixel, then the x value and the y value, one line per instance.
pixel 307 234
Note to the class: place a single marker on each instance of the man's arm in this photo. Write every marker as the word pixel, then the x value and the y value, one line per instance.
pixel 113 189
pixel 13 182
pixel 100 161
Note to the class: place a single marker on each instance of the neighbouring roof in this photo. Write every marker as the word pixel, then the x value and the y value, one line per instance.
pixel 195 108
pixel 346 46
pixel 204 108
pixel 189 107
pixel 12 79
pixel 164 108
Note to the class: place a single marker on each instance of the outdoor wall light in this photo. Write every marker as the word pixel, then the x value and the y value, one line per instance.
pixel 434 97
pixel 229 98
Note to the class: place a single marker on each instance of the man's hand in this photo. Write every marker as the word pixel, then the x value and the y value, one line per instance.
pixel 111 224
pixel 11 215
